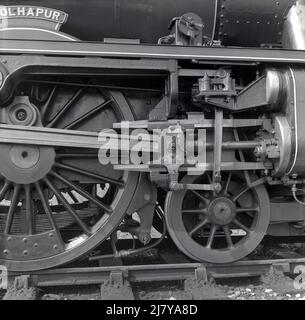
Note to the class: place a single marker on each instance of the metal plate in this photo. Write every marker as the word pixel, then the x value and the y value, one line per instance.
pixel 251 23
pixel 30 247
pixel 245 22
pixel 95 20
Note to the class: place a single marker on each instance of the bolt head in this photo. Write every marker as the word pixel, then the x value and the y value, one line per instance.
pixel 21 115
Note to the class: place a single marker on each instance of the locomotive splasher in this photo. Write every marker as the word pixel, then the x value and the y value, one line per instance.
pixel 59 201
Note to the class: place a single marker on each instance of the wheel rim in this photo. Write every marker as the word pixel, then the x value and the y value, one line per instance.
pixel 218 228
pixel 58 204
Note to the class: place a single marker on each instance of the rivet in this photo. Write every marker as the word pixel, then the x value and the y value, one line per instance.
pixel 9 239
pixel 25 252
pixel 5 251
pixel 55 246
pixel 25 240
pixel 35 245
pixel 51 235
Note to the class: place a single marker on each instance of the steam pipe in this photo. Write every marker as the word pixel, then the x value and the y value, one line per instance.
pixel 294 27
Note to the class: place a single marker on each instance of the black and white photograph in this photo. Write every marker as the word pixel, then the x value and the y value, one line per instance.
pixel 152 153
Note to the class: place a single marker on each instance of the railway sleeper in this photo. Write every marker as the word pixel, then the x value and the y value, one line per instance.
pixel 201 281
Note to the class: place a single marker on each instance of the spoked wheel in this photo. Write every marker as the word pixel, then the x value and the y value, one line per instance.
pixel 59 203
pixel 218 228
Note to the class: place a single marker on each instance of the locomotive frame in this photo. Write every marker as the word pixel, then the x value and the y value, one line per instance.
pixel 252 142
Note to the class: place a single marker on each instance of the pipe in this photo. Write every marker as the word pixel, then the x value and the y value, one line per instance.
pixel 294 27
pixel 232 145
pixel 294 190
pixel 127 253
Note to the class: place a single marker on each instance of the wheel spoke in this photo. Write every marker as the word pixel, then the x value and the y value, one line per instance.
pixel 227 233
pixel 87 115
pixel 12 209
pixel 209 178
pixel 226 186
pixel 90 174
pixel 48 211
pixel 211 236
pixel 239 210
pixel 48 103
pixel 240 225
pixel 29 209
pixel 69 209
pixel 4 189
pixel 241 193
pixel 199 226
pixel 65 108
pixel 202 198
pixel 198 211
pixel 80 191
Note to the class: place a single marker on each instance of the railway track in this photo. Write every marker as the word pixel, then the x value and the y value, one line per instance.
pixel 116 278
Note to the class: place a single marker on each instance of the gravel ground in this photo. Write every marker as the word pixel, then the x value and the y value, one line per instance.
pixel 166 291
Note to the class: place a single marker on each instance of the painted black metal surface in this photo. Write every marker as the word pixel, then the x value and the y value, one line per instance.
pixel 251 23
pixel 147 20
pixel 240 22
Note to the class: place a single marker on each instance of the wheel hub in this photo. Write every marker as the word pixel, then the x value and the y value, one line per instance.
pixel 221 211
pixel 22 112
pixel 25 164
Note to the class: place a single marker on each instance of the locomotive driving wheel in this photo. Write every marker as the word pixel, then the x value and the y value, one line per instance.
pixel 218 228
pixel 59 203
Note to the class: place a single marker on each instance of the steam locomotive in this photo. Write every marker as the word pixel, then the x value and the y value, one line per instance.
pixel 181 117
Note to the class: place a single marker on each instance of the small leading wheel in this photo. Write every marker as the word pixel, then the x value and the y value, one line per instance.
pixel 218 228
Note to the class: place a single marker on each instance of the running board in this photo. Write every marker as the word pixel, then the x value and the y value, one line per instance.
pixel 100 49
